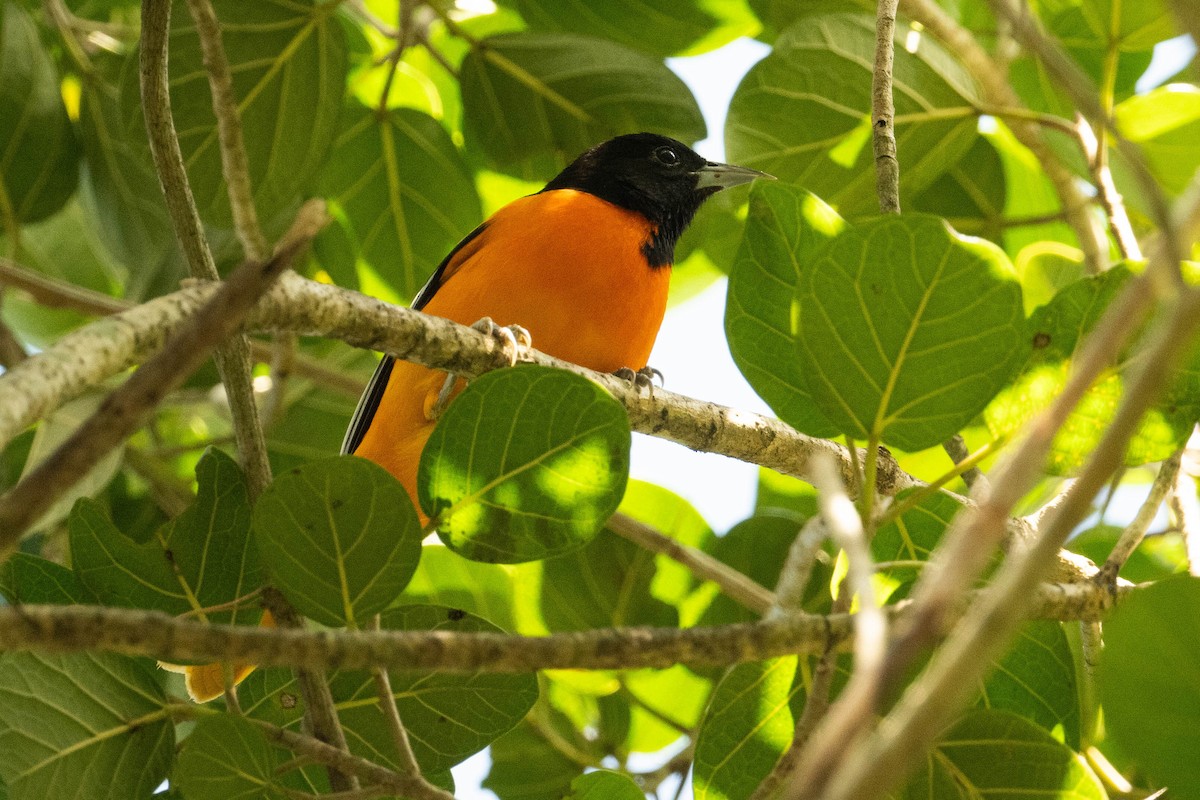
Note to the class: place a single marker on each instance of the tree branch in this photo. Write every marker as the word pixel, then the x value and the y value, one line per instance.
pixel 136 632
pixel 1133 534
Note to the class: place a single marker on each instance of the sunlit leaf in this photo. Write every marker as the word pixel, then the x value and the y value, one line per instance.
pixel 526 463
pixel 662 27
pixel 785 228
pixel 604 784
pixel 405 191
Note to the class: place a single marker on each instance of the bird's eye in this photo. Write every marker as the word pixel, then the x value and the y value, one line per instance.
pixel 666 155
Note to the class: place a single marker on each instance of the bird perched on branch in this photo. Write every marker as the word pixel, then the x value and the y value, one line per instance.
pixel 583 266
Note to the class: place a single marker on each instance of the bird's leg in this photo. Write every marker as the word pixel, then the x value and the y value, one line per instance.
pixel 513 338
pixel 642 379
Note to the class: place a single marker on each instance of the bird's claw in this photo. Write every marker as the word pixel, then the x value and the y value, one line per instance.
pixel 513 337
pixel 642 379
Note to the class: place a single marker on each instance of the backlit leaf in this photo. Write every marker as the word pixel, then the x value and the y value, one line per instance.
pixel 906 330
pixel 225 758
pixel 604 784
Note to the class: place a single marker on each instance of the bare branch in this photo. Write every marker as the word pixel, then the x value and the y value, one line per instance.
pixel 151 633
pixel 234 164
pixel 1133 534
pixel 883 110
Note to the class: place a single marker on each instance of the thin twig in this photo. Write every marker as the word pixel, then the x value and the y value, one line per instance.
pixel 233 356
pixel 1095 150
pixel 847 719
pixel 1186 510
pixel 235 166
pixel 1133 534
pixel 387 707
pixel 956 448
pixel 733 583
pixel 883 110
pixel 798 566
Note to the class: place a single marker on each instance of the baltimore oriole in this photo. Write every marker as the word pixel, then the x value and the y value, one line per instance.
pixel 583 266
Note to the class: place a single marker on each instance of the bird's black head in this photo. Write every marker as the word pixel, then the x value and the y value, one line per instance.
pixel 660 178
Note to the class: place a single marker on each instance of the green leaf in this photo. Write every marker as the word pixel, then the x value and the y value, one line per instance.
pixel 654 696
pixel 1166 125
pixel 1157 557
pixel 574 91
pixel 672 516
pixel 757 547
pixel 785 227
pixel 803 113
pixel 661 27
pixel 27 579
pixel 38 151
pixel 911 539
pixel 448 716
pixel 1150 681
pixel 288 62
pixel 604 784
pixel 748 726
pixel 64 246
pixel 526 463
pixel 81 725
pixel 225 758
pixel 202 558
pixel 1055 331
pixel 340 538
pixel 971 195
pixel 405 191
pixel 997 754
pixel 606 584
pixel 1036 680
pixel 445 578
pixel 1131 26
pixel 906 330
pixel 1029 196
pixel 117 570
pixel 526 765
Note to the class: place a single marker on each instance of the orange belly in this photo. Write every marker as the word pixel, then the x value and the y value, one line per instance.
pixel 566 266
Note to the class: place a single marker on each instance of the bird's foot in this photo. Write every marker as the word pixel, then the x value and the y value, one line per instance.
pixel 642 379
pixel 512 338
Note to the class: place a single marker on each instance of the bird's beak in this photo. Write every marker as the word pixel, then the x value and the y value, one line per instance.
pixel 722 176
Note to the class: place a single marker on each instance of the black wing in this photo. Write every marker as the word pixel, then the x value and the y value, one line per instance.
pixel 364 414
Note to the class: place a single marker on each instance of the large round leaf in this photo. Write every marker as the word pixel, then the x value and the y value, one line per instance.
pixel 225 758
pixel 567 93
pixel 803 112
pixel 526 463
pixel 340 538
pixel 906 330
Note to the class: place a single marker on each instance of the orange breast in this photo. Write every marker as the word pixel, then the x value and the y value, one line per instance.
pixel 565 265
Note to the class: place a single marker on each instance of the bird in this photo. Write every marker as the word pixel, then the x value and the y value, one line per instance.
pixel 583 266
